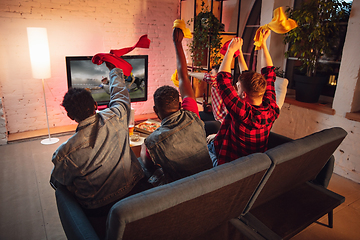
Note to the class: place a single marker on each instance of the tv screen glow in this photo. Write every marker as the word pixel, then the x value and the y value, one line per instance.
pixel 82 73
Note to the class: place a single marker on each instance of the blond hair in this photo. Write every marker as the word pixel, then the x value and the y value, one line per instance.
pixel 253 83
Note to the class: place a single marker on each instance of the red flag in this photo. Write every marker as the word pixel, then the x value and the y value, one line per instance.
pixel 115 58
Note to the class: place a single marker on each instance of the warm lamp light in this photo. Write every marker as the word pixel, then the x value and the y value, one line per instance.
pixel 332 80
pixel 39 52
pixel 40 64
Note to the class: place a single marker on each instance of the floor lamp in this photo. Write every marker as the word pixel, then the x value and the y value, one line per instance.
pixel 40 64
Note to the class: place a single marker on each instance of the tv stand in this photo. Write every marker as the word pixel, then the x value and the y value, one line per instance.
pixel 13 137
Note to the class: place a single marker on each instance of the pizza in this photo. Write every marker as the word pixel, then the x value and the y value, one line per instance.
pixel 148 126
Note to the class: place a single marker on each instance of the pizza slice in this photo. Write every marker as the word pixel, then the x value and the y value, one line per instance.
pixel 148 126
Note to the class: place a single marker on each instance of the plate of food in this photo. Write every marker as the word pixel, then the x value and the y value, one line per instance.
pixel 148 127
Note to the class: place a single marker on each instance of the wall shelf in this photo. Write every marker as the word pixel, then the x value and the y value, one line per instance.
pixel 13 137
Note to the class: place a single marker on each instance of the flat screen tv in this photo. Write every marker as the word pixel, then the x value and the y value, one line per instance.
pixel 82 73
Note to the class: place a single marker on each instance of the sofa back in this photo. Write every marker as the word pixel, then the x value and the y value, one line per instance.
pixel 189 207
pixel 297 162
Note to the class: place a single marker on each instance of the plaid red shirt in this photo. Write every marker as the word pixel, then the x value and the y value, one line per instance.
pixel 217 104
pixel 245 130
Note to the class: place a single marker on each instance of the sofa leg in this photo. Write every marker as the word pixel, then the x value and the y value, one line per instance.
pixel 330 218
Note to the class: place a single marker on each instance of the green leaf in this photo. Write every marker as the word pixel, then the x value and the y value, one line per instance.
pixel 317 29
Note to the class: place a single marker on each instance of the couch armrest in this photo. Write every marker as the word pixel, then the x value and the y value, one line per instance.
pixel 277 139
pixel 73 219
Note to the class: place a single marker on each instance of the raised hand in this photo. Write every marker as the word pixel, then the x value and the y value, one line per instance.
pixel 109 65
pixel 266 34
pixel 235 44
pixel 178 35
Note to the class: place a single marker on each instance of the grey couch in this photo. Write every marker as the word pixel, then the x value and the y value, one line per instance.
pixel 271 195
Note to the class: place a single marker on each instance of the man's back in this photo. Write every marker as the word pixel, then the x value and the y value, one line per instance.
pixel 246 128
pixel 179 146
pixel 96 163
pixel 252 106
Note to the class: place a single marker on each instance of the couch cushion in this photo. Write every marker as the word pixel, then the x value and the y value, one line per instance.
pixel 286 202
pixel 191 206
pixel 299 161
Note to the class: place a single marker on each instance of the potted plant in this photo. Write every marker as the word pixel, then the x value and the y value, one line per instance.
pixel 205 45
pixel 318 23
pixel 206 38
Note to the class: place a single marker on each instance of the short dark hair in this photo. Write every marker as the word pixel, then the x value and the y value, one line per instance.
pixel 216 67
pixel 253 83
pixel 166 97
pixel 78 103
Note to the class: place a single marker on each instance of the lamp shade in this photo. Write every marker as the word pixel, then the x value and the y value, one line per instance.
pixel 39 52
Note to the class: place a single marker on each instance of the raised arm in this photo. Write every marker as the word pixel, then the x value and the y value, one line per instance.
pixel 198 75
pixel 119 95
pixel 118 90
pixel 235 44
pixel 242 64
pixel 267 70
pixel 233 103
pixel 266 60
pixel 184 82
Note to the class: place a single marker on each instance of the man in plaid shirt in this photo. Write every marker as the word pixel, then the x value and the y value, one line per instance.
pixel 214 119
pixel 252 108
pixel 218 108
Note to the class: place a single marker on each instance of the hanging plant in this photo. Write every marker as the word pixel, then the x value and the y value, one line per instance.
pixel 206 37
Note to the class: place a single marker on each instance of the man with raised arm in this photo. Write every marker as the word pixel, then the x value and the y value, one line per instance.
pixel 218 112
pixel 96 164
pixel 252 107
pixel 179 145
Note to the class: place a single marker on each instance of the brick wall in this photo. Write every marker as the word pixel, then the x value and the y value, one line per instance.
pixel 77 28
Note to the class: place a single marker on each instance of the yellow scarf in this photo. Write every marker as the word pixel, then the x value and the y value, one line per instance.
pixel 175 78
pixel 179 23
pixel 279 24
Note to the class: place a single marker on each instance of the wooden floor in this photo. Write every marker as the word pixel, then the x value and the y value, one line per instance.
pixel 346 216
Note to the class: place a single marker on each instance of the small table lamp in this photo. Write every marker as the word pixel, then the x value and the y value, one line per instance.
pixel 40 64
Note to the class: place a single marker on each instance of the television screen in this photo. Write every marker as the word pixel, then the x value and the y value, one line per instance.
pixel 82 73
